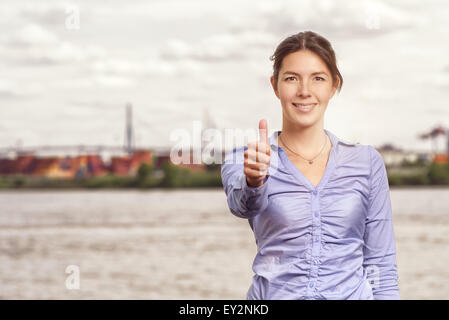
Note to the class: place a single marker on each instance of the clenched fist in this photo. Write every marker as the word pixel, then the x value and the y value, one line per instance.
pixel 257 158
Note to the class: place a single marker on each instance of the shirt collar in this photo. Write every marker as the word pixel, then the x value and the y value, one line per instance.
pixel 334 139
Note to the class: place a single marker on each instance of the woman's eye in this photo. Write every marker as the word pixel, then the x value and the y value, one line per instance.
pixel 293 78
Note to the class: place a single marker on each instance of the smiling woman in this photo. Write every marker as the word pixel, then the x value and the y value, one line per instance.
pixel 322 215
pixel 305 76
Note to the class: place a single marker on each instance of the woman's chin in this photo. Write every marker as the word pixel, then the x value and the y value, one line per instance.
pixel 305 121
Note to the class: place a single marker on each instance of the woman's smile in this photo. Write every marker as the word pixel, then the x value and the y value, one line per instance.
pixel 304 108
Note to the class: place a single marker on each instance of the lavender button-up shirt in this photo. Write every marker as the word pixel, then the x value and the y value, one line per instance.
pixel 330 241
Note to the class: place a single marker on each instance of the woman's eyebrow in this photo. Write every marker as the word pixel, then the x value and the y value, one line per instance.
pixel 314 73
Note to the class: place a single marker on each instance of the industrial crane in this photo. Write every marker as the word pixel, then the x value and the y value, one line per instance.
pixel 433 135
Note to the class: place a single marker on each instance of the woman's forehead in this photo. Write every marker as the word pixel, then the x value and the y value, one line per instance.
pixel 303 62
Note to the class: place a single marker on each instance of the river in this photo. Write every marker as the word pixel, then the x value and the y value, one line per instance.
pixel 179 244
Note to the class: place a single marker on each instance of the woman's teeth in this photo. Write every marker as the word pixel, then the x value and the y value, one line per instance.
pixel 307 107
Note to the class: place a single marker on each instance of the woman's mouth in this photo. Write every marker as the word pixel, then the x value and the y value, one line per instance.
pixel 304 108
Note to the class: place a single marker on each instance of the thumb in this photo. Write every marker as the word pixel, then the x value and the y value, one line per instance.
pixel 263 131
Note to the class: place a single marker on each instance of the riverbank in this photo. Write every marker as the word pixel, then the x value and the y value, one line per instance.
pixel 173 177
pixel 169 176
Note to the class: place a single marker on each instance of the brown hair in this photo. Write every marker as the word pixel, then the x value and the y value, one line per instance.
pixel 307 40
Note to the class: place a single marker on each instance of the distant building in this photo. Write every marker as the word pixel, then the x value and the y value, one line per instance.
pixel 441 158
pixel 48 167
pixel 395 157
pixel 55 167
pixel 6 166
pixel 85 166
pixel 129 165
pixel 160 159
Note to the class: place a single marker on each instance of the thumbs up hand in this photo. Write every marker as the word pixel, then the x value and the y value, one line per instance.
pixel 257 158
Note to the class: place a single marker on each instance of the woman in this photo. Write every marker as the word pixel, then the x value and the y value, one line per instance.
pixel 319 207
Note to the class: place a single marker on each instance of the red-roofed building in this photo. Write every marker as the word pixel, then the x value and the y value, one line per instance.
pixel 159 160
pixel 88 166
pixel 47 167
pixel 68 167
pixel 137 158
pixel 120 166
pixel 129 165
pixel 22 163
pixel 18 165
pixel 75 167
pixel 55 167
pixel 441 158
pixel 6 166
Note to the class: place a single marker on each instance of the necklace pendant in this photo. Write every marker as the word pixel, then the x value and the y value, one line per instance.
pixel 310 161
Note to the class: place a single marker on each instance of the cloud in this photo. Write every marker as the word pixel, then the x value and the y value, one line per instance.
pixel 354 18
pixel 263 28
pixel 18 89
pixel 147 67
pixel 35 45
pixel 44 13
pixel 60 53
pixel 218 47
pixel 113 81
pixel 32 35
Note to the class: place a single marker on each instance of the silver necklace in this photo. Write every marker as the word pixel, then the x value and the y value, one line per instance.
pixel 310 161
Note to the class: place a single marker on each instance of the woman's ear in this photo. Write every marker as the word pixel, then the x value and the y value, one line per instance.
pixel 274 85
pixel 334 87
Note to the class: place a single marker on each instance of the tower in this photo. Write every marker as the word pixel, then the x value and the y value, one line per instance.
pixel 129 137
pixel 447 142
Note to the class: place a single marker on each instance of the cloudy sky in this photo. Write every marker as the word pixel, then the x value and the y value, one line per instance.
pixel 68 68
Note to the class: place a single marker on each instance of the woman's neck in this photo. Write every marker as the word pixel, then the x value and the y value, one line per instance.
pixel 305 141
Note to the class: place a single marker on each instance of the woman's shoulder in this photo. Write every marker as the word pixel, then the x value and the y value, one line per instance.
pixel 368 151
pixel 356 152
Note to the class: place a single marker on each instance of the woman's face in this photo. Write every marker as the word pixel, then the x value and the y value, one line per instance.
pixel 304 79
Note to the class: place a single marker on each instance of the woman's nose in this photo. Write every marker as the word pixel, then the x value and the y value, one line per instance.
pixel 303 90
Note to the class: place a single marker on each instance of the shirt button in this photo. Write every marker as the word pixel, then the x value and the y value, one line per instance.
pixel 314 192
pixel 316 214
pixel 311 284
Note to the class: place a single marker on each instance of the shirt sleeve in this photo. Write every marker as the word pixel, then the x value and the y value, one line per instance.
pixel 243 201
pixel 379 241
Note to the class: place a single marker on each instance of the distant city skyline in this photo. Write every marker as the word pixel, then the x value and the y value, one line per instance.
pixel 68 70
